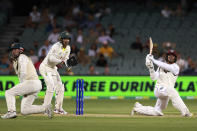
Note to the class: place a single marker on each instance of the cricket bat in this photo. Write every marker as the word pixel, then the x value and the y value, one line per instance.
pixel 151 45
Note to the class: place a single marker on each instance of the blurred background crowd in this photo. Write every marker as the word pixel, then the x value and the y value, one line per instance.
pixel 108 37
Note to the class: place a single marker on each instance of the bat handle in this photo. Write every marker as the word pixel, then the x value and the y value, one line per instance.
pixel 150 52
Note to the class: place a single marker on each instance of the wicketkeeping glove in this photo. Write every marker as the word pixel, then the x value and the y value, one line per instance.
pixel 72 61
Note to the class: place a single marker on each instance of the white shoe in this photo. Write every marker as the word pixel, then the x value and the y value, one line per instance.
pixel 188 115
pixel 62 112
pixel 56 111
pixel 159 113
pixel 49 111
pixel 9 115
pixel 137 104
pixel 132 112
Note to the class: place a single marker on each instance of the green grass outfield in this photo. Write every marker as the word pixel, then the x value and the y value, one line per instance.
pixel 108 115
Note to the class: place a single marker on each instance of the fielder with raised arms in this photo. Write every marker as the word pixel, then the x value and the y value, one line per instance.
pixel 28 87
pixel 58 54
pixel 166 76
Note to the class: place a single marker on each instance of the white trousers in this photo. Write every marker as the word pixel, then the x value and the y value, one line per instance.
pixel 163 96
pixel 29 90
pixel 54 84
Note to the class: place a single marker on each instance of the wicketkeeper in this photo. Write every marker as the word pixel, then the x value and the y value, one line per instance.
pixel 166 76
pixel 28 87
pixel 58 54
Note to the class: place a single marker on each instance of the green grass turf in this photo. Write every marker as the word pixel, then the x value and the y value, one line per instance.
pixel 170 122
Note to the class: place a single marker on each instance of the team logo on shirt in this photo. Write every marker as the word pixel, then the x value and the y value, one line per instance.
pixel 62 53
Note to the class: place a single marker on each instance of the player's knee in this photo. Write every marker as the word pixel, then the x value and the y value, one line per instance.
pixel 50 88
pixel 62 88
pixel 7 93
pixel 39 85
pixel 24 110
pixel 50 91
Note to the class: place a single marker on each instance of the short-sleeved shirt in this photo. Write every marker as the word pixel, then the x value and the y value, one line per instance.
pixel 107 52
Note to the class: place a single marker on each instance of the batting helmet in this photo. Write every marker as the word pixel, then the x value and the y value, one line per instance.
pixel 16 46
pixel 171 52
pixel 64 35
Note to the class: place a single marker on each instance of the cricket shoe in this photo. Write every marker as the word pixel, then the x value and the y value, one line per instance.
pixel 62 112
pixel 133 112
pixel 159 113
pixel 136 105
pixel 188 115
pixel 48 111
pixel 9 115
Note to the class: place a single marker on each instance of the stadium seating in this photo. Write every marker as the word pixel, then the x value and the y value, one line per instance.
pixel 3 18
pixel 129 23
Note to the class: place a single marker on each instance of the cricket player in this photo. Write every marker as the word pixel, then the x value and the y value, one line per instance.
pixel 166 76
pixel 58 54
pixel 28 87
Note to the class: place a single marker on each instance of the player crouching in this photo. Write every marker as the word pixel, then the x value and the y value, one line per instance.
pixel 166 76
pixel 28 87
pixel 58 54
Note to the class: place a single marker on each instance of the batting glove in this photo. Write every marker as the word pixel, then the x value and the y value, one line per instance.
pixel 149 63
pixel 150 57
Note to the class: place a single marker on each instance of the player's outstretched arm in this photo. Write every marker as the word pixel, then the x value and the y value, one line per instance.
pixel 169 67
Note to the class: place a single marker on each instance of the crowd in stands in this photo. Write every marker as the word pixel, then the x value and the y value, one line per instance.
pixel 187 66
pixel 93 49
pixel 167 12
pixel 92 43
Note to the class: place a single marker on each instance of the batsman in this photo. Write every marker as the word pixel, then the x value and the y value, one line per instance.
pixel 166 76
pixel 58 54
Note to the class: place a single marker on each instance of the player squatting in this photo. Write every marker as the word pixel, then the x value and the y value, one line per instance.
pixel 28 87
